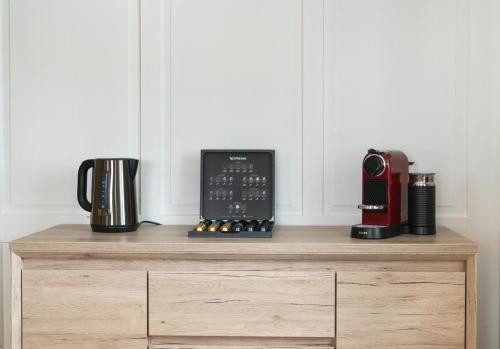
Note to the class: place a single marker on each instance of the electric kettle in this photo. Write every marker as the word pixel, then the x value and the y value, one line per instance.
pixel 113 207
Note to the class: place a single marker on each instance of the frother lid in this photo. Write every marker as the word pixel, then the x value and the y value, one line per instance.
pixel 422 179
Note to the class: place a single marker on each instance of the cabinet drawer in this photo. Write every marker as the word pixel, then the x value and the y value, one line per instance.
pixel 84 309
pixel 400 310
pixel 284 346
pixel 247 304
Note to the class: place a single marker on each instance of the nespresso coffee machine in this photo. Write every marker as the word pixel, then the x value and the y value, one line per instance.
pixel 385 195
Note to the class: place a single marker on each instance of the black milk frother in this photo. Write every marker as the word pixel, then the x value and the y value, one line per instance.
pixel 422 204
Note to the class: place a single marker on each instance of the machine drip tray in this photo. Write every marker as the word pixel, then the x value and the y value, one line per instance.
pixel 364 231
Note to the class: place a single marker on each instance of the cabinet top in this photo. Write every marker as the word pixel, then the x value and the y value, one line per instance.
pixel 287 240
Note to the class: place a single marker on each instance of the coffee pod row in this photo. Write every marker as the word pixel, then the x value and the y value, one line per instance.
pixel 219 225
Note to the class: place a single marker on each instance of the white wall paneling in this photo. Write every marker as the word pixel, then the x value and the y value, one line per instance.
pixel 4 111
pixel 228 75
pixel 395 77
pixel 484 163
pixel 74 94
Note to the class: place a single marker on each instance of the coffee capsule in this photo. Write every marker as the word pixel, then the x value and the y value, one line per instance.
pixel 264 226
pixel 238 226
pixel 226 227
pixel 203 225
pixel 251 226
pixel 215 225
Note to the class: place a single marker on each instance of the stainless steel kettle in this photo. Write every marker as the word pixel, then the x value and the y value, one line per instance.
pixel 114 206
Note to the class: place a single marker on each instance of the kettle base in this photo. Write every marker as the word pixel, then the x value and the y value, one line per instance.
pixel 113 228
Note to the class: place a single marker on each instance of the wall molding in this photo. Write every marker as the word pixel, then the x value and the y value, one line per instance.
pixel 452 206
pixel 8 204
pixel 169 206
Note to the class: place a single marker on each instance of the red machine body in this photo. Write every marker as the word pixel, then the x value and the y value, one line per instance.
pixel 385 188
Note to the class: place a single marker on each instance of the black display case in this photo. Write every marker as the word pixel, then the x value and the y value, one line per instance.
pixel 237 186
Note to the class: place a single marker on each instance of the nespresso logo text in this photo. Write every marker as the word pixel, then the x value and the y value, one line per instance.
pixel 237 158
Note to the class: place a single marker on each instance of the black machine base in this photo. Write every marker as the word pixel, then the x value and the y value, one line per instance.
pixel 241 234
pixel 431 230
pixel 113 228
pixel 364 231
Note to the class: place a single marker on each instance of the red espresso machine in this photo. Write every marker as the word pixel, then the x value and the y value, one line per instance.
pixel 385 195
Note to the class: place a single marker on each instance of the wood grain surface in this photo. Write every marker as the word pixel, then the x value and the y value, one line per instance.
pixel 471 306
pixel 400 310
pixel 83 290
pixel 158 264
pixel 287 240
pixel 237 347
pixel 246 342
pixel 16 306
pixel 84 309
pixel 247 304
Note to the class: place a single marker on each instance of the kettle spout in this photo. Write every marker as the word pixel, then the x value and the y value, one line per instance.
pixel 133 165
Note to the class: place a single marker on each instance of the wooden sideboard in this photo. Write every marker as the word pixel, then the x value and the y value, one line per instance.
pixel 307 287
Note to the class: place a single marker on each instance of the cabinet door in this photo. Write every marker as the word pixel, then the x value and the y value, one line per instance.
pixel 242 304
pixel 243 346
pixel 400 310
pixel 84 309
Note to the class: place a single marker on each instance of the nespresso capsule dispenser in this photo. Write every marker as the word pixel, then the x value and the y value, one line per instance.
pixel 236 194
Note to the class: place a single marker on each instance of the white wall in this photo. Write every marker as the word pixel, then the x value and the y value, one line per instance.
pixel 319 81
pixel 484 162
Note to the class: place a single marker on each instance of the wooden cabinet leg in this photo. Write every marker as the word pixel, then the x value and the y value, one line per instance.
pixel 471 304
pixel 15 299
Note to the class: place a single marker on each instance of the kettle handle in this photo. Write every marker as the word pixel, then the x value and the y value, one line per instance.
pixel 82 184
pixel 133 164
